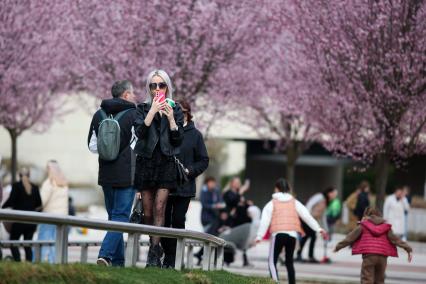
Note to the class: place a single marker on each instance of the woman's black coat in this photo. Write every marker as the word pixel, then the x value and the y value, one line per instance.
pixel 149 136
pixel 193 155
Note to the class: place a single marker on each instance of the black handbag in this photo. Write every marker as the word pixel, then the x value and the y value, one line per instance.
pixel 137 213
pixel 182 176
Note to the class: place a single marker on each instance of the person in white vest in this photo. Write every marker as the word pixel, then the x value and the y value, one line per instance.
pixel 394 211
pixel 54 197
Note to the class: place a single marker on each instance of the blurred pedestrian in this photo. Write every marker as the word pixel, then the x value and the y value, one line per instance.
pixel 71 207
pixel 394 210
pixel 281 215
pixel 407 193
pixel 235 201
pixel 160 132
pixel 193 155
pixel 331 216
pixel 110 136
pixel 316 206
pixel 350 204
pixel 375 240
pixel 363 199
pixel 24 196
pixel 211 202
pixel 54 197
pixel 334 209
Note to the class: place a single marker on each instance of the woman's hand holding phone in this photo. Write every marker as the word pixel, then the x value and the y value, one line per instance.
pixel 157 105
pixel 168 111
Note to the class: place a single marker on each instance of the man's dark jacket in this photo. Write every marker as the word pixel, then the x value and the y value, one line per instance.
pixel 118 173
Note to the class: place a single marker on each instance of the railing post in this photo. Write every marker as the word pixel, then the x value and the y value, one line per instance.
pixel 84 253
pixel 61 245
pixel 219 257
pixel 190 256
pixel 207 256
pixel 37 252
pixel 132 244
pixel 213 258
pixel 136 251
pixel 180 252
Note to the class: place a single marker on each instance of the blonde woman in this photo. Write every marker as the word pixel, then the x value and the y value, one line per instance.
pixel 159 129
pixel 54 197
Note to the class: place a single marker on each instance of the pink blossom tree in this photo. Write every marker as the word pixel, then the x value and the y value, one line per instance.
pixel 194 41
pixel 274 85
pixel 33 64
pixel 371 59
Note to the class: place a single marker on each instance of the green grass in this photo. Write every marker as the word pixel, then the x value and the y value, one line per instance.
pixel 11 273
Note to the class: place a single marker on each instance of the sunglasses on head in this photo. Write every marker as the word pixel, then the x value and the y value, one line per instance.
pixel 154 86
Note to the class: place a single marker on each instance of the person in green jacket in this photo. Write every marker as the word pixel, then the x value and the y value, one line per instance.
pixel 331 216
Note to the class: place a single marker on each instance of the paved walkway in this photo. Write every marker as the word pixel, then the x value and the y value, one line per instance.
pixel 345 268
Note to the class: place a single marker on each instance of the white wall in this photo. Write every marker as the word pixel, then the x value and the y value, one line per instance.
pixel 65 141
pixel 236 158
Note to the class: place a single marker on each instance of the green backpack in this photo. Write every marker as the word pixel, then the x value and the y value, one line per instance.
pixel 108 139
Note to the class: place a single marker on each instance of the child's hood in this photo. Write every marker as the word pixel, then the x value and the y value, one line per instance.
pixel 281 196
pixel 376 225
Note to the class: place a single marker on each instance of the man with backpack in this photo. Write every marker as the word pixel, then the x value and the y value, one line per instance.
pixel 110 136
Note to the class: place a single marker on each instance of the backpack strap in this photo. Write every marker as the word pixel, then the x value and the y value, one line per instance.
pixel 103 114
pixel 120 114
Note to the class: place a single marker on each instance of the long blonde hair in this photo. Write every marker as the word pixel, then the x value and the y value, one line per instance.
pixel 55 174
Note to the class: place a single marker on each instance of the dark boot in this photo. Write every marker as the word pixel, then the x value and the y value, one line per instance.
pixel 199 256
pixel 245 259
pixel 154 256
pixel 169 261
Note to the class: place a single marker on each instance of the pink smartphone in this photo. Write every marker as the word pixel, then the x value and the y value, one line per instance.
pixel 162 97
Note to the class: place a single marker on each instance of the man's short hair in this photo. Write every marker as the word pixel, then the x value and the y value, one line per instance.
pixel 209 179
pixel 120 87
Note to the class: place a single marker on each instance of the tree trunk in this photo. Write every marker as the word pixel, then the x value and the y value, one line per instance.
pixel 382 164
pixel 292 155
pixel 14 159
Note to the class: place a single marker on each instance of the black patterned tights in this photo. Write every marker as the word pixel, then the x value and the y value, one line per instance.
pixel 154 205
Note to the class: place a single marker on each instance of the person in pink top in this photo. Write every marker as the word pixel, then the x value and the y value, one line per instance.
pixel 375 240
pixel 281 216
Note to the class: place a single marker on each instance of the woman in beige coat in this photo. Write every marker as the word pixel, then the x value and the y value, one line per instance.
pixel 54 197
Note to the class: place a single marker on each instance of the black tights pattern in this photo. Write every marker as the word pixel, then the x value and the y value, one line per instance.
pixel 154 204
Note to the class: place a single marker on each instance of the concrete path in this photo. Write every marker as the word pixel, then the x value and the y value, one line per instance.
pixel 344 268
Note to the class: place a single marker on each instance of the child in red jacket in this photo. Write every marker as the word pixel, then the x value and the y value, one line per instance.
pixel 374 239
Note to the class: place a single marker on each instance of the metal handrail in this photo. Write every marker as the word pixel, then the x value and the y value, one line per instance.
pixel 26 243
pixel 134 230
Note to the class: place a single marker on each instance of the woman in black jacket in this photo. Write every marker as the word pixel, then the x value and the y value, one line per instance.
pixel 159 129
pixel 24 196
pixel 193 155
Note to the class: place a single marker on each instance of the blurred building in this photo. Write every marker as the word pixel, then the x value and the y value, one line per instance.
pixel 233 148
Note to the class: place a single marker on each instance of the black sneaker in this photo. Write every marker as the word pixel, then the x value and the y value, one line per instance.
pixel 103 261
pixel 169 262
pixel 298 259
